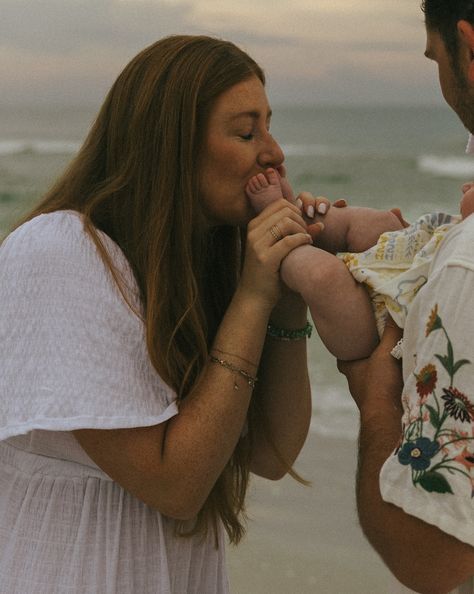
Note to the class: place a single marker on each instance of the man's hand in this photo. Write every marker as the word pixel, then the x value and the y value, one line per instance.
pixel 380 369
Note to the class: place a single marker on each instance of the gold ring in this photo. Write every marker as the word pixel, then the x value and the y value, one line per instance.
pixel 275 231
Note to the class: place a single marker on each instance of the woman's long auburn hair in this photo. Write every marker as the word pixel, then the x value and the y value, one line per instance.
pixel 136 178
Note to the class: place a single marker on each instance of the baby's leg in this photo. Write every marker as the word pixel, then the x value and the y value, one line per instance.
pixel 265 188
pixel 340 307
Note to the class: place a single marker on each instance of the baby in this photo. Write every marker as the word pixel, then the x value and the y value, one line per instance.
pixel 380 265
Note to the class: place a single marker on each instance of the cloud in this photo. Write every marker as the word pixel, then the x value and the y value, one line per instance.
pixel 52 49
pixel 52 26
pixel 322 47
pixel 310 20
pixel 72 50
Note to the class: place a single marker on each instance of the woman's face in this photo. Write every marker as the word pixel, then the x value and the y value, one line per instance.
pixel 238 145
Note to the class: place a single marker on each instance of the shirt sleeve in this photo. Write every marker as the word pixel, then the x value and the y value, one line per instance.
pixel 72 352
pixel 431 474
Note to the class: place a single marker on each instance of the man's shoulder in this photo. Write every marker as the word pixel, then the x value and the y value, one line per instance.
pixel 457 246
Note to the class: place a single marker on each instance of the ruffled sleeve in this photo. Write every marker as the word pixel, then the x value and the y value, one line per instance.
pixel 72 353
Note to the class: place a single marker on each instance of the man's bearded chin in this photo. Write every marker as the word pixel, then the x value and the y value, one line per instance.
pixel 464 105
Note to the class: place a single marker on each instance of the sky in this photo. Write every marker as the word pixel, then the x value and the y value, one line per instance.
pixel 313 51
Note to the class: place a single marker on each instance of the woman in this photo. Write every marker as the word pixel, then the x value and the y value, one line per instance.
pixel 134 307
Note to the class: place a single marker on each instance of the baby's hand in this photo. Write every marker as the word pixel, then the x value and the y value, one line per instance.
pixel 398 213
pixel 467 201
pixel 467 186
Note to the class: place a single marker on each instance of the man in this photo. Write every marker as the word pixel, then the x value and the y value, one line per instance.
pixel 415 488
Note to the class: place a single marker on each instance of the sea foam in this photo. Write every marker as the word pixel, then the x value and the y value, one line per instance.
pixel 305 150
pixel 38 147
pixel 453 167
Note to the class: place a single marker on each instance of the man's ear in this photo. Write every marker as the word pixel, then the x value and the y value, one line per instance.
pixel 466 34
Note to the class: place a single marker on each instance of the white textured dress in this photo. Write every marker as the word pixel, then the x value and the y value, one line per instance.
pixel 73 355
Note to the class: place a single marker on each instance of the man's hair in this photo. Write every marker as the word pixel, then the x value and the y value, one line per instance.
pixel 443 15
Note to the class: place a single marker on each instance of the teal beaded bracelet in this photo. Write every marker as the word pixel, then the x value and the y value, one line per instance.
pixel 284 334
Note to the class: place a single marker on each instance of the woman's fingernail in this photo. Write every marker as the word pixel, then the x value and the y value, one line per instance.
pixel 322 208
pixel 299 204
pixel 310 211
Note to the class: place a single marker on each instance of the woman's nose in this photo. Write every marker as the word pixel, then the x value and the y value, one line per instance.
pixel 271 154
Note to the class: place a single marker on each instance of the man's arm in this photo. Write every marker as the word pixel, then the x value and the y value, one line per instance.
pixel 420 555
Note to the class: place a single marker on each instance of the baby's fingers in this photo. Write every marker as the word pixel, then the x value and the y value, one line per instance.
pixel 398 213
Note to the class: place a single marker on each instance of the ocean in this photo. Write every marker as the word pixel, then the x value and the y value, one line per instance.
pixel 410 157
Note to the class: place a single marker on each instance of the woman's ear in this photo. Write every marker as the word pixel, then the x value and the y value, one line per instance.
pixel 466 34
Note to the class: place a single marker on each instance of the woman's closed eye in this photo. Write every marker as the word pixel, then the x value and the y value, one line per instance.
pixel 254 132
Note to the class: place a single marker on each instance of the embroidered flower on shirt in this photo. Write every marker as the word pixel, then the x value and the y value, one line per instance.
pixel 466 458
pixel 435 444
pixel 434 321
pixel 418 453
pixel 426 380
pixel 462 439
pixel 457 405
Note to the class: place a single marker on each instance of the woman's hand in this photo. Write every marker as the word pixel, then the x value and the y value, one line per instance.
pixel 312 206
pixel 271 236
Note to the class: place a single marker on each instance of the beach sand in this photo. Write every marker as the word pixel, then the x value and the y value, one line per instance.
pixel 305 540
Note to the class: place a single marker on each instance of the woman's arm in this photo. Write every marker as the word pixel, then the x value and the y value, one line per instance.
pixel 420 555
pixel 284 393
pixel 173 466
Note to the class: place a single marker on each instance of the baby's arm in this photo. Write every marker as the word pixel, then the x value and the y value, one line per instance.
pixel 349 229
pixel 355 228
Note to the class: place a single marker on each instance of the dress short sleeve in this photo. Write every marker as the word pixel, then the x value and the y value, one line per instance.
pixel 72 352
pixel 431 474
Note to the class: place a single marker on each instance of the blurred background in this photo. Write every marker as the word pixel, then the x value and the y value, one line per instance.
pixel 359 113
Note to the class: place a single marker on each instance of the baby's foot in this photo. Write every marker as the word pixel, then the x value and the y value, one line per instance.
pixel 263 189
pixel 286 189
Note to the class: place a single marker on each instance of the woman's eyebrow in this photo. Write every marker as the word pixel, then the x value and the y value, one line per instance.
pixel 255 115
